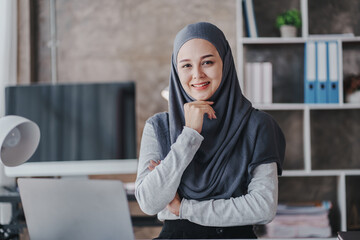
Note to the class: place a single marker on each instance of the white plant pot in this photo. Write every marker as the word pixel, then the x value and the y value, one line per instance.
pixel 288 31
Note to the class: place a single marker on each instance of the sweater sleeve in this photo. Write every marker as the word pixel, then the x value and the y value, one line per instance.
pixel 258 206
pixel 155 189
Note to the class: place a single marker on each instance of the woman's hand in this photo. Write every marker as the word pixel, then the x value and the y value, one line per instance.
pixel 174 205
pixel 153 164
pixel 194 114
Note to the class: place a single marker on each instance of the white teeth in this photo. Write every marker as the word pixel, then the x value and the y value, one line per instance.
pixel 201 85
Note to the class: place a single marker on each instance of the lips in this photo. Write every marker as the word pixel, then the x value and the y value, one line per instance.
pixel 200 85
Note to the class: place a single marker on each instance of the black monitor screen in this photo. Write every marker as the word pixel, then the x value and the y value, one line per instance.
pixel 78 121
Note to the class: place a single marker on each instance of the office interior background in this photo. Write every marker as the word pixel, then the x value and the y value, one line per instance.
pixel 89 41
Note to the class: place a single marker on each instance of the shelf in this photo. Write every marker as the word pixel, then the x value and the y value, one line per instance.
pixel 279 40
pixel 353 39
pixel 304 173
pixel 320 157
pixel 271 40
pixel 280 106
pixel 334 106
pixel 303 106
pixel 334 37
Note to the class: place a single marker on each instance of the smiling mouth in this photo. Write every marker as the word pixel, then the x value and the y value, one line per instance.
pixel 200 85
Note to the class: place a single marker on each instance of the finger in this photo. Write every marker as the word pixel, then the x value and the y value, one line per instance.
pixel 154 163
pixel 205 109
pixel 214 114
pixel 177 196
pixel 204 102
pixel 151 167
pixel 211 116
pixel 210 112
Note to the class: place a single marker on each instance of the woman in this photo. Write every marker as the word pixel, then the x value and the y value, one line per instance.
pixel 209 166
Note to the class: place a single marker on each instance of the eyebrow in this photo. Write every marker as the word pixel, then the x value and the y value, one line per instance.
pixel 205 56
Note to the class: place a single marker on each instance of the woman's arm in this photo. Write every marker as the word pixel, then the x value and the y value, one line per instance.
pixel 155 189
pixel 258 206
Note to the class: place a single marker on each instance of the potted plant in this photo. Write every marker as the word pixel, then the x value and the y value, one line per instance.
pixel 288 22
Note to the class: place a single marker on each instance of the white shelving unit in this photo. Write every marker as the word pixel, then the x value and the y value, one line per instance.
pixel 341 174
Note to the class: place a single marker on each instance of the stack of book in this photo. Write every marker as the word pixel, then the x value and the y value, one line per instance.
pixel 258 82
pixel 300 221
pixel 321 77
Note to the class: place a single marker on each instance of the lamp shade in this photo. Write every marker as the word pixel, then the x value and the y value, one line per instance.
pixel 19 138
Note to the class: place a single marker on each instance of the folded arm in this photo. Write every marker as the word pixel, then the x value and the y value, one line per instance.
pixel 258 206
pixel 155 189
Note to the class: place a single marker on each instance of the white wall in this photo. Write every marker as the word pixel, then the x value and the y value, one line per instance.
pixel 8 56
pixel 8 60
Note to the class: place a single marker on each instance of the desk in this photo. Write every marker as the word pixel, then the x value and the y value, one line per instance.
pixel 332 238
pixel 284 239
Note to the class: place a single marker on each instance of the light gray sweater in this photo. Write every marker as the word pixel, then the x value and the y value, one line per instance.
pixel 155 189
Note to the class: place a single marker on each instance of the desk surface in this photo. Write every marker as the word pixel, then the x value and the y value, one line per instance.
pixel 7 196
pixel 333 238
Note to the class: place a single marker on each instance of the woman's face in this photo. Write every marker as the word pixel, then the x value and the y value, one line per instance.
pixel 199 67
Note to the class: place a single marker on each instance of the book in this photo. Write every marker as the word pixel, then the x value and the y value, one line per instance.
pixel 304 208
pixel 250 22
pixel 299 226
pixel 321 70
pixel 257 91
pixel 267 82
pixel 300 220
pixel 333 72
pixel 321 77
pixel 310 72
pixel 258 82
pixel 248 82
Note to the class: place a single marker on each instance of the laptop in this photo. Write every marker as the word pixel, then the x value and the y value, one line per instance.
pixel 75 209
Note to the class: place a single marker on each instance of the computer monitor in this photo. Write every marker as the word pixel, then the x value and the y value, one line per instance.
pixel 86 128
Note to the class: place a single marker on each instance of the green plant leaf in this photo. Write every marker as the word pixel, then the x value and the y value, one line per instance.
pixel 290 17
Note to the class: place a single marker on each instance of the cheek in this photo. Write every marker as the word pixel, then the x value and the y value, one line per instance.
pixel 220 77
pixel 216 75
pixel 184 79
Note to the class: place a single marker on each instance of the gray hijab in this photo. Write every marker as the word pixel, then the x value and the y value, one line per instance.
pixel 223 164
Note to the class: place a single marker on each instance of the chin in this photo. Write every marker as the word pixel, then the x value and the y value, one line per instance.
pixel 201 97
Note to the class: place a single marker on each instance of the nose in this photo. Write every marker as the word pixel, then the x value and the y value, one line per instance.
pixel 198 73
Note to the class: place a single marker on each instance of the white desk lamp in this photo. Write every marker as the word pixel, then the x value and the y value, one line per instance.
pixel 19 138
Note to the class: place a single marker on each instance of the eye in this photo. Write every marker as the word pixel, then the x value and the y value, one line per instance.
pixel 207 62
pixel 186 65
